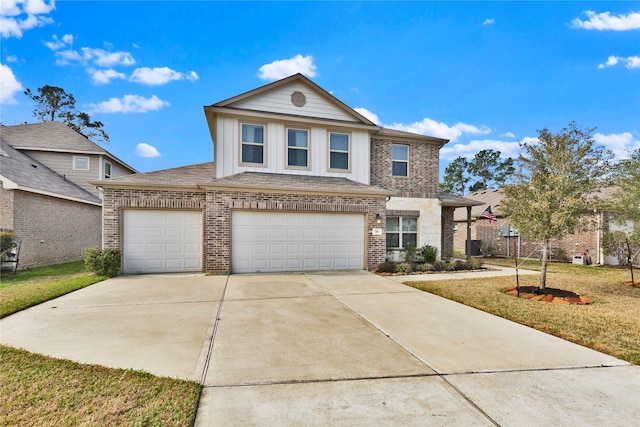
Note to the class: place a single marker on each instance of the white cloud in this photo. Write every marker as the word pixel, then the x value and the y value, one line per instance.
pixel 9 87
pixel 508 135
pixel 56 43
pixel 129 104
pixel 604 21
pixel 620 143
pixel 285 67
pixel 629 62
pixel 101 77
pixel 145 150
pixel 98 57
pixel 507 149
pixel 488 21
pixel 441 130
pixel 160 75
pixel 368 114
pixel 12 58
pixel 19 15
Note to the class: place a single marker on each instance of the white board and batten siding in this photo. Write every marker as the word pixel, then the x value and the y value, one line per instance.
pixel 161 241
pixel 279 101
pixel 280 242
pixel 275 150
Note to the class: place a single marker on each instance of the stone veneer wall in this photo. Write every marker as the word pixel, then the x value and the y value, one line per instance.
pixel 423 168
pixel 217 207
pixel 447 232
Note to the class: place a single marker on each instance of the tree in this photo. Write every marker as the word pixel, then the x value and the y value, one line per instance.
pixel 623 206
pixel 456 177
pixel 554 188
pixel 53 103
pixel 492 172
pixel 486 167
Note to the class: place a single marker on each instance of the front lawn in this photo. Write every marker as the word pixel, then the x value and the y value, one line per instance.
pixel 40 390
pixel 610 325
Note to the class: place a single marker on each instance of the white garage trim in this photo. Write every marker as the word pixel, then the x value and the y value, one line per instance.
pixel 293 241
pixel 161 241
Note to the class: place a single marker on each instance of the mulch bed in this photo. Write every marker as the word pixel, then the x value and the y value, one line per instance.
pixel 552 295
pixel 630 283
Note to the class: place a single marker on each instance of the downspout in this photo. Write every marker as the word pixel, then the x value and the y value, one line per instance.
pixel 468 246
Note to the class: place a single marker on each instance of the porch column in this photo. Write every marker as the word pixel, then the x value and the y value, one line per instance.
pixel 468 244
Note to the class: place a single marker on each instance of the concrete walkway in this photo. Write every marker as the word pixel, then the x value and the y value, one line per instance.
pixel 332 348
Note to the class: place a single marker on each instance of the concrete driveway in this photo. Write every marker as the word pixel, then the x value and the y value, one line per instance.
pixel 334 348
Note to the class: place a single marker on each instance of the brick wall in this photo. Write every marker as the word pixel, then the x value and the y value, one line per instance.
pixel 423 168
pixel 54 230
pixel 6 208
pixel 217 206
pixel 447 232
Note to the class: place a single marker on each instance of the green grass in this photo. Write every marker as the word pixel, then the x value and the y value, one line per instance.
pixel 610 325
pixel 36 285
pixel 41 390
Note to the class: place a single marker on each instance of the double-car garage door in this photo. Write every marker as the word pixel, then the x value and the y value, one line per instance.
pixel 158 241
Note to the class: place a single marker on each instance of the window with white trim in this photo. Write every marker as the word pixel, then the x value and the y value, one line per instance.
pixel 400 160
pixel 107 170
pixel 252 150
pixel 456 229
pixel 81 163
pixel 338 151
pixel 401 232
pixel 297 148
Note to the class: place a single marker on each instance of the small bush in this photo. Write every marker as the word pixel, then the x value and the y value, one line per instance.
pixel 103 262
pixel 409 254
pixel 473 264
pixel 429 253
pixel 450 266
pixel 488 249
pixel 404 267
pixel 460 264
pixel 387 267
pixel 425 267
pixel 438 265
pixel 561 254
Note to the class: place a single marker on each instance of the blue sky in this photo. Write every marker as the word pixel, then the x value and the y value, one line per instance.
pixel 482 74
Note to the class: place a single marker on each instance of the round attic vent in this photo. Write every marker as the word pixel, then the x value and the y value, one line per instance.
pixel 298 99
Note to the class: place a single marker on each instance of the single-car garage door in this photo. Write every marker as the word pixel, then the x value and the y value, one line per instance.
pixel 161 241
pixel 277 241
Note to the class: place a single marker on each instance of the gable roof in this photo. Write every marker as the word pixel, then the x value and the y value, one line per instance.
pixel 21 172
pixel 492 197
pixel 296 78
pixel 180 177
pixel 53 137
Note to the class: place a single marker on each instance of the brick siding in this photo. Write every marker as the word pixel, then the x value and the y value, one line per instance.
pixel 447 232
pixel 217 207
pixel 422 180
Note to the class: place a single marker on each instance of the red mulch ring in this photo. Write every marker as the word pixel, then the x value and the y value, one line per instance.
pixel 555 296
pixel 630 283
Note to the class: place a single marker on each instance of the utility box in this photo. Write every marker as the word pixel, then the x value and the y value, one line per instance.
pixel 473 247
pixel 509 231
pixel 579 259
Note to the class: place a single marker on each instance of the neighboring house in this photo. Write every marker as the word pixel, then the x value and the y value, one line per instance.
pixel 300 182
pixel 45 196
pixel 505 240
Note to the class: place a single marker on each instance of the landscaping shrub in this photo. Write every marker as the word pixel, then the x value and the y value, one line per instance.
pixel 425 267
pixel 487 249
pixel 473 264
pixel 387 267
pixel 409 254
pixel 460 264
pixel 561 254
pixel 449 266
pixel 6 241
pixel 429 253
pixel 438 265
pixel 404 267
pixel 103 262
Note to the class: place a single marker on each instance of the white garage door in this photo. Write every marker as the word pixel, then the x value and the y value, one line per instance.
pixel 275 241
pixel 160 241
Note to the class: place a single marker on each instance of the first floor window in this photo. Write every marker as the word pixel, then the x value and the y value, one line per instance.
pixel 252 143
pixel 81 163
pixel 297 147
pixel 456 228
pixel 338 151
pixel 400 160
pixel 401 232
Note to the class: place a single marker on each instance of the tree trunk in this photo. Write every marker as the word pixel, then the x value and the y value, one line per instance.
pixel 630 261
pixel 543 273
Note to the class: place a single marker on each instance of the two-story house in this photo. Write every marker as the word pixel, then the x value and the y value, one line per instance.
pixel 45 195
pixel 300 182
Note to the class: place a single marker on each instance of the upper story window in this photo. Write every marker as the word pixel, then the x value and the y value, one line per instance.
pixel 252 150
pixel 297 148
pixel 400 160
pixel 107 170
pixel 338 151
pixel 81 163
pixel 401 232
